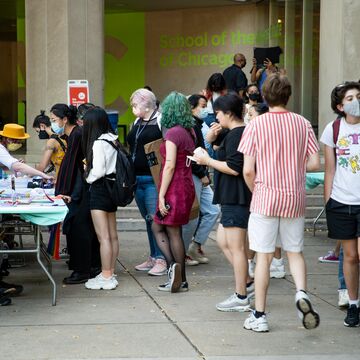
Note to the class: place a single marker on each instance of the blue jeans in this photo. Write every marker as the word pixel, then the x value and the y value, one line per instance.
pixel 146 197
pixel 341 277
pixel 201 227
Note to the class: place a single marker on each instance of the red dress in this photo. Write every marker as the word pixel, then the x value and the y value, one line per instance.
pixel 181 192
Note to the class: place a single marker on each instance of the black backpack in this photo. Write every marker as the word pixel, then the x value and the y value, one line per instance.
pixel 122 191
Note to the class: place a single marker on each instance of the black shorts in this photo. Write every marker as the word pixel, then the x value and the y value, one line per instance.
pixel 343 221
pixel 100 198
pixel 235 216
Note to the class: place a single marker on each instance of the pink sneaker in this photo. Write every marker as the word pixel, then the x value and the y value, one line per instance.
pixel 159 268
pixel 329 258
pixel 147 265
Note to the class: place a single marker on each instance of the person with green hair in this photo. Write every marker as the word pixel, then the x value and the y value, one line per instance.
pixel 176 188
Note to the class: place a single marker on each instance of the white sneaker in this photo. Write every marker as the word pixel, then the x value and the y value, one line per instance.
pixel 99 282
pixel 309 317
pixel 251 268
pixel 114 276
pixel 277 268
pixel 343 298
pixel 256 324
pixel 233 303
pixel 190 261
pixel 196 253
pixel 250 290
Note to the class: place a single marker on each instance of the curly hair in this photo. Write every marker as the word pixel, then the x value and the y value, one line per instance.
pixel 339 92
pixel 176 110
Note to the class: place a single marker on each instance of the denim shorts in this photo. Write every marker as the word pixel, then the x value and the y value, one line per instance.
pixel 343 221
pixel 235 216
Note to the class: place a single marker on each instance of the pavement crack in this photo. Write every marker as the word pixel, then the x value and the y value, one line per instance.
pixel 163 311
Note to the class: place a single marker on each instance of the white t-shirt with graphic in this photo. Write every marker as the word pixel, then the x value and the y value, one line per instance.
pixel 346 185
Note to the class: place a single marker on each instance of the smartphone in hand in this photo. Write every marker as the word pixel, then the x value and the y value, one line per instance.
pixel 159 215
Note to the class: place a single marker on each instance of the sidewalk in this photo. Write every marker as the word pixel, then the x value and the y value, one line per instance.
pixel 136 321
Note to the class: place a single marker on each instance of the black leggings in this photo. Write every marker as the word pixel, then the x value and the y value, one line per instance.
pixel 171 244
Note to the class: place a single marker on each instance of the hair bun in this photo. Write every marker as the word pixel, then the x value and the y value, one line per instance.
pixel 42 112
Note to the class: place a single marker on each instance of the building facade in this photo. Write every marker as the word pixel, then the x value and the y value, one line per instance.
pixel 44 43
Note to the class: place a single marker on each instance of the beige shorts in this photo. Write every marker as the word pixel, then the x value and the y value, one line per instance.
pixel 266 232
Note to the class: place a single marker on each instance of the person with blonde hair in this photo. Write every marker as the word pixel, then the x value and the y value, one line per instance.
pixel 146 128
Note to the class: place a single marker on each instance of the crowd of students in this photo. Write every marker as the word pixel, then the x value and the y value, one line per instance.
pixel 258 152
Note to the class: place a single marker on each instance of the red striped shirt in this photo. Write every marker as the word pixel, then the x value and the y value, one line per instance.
pixel 281 143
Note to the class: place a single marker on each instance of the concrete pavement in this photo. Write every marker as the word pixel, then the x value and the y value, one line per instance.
pixel 136 321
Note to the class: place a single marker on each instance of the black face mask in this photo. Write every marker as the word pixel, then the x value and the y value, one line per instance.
pixel 43 135
pixel 254 97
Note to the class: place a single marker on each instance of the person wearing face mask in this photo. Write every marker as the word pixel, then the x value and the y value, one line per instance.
pixel 215 87
pixel 82 242
pixel 196 231
pixel 254 97
pixel 81 111
pixel 342 186
pixel 11 139
pixel 146 128
pixel 235 78
pixel 55 145
pixel 13 134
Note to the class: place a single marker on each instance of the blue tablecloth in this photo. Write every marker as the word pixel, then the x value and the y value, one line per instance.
pixel 313 179
pixel 44 214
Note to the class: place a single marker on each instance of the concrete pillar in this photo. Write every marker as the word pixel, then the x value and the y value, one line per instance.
pixel 306 59
pixel 273 20
pixel 289 46
pixel 339 50
pixel 64 40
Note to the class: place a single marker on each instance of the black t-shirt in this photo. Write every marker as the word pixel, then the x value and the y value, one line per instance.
pixel 230 189
pixel 235 78
pixel 198 170
pixel 145 132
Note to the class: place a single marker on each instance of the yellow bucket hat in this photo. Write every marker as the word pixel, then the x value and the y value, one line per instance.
pixel 14 131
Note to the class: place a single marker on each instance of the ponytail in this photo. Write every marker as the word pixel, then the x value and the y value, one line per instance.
pixel 62 110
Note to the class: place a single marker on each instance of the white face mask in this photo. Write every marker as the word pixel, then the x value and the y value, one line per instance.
pixel 57 129
pixel 203 113
pixel 352 108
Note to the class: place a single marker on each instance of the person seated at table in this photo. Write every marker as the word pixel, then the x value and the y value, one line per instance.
pixel 55 145
pixel 11 139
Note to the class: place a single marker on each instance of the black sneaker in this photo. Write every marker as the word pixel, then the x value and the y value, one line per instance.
pixel 175 277
pixel 4 301
pixel 167 287
pixel 14 288
pixel 352 317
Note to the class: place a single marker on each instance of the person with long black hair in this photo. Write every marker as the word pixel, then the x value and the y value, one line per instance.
pixel 100 168
pixel 55 145
pixel 81 239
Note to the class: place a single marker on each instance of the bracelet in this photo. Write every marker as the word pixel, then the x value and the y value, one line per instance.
pixel 208 163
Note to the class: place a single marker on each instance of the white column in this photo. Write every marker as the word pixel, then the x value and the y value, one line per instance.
pixel 306 59
pixel 339 50
pixel 64 40
pixel 289 46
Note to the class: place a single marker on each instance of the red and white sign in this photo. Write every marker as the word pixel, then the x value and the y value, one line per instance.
pixel 78 92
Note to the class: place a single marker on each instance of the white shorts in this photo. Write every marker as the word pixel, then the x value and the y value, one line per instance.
pixel 266 232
